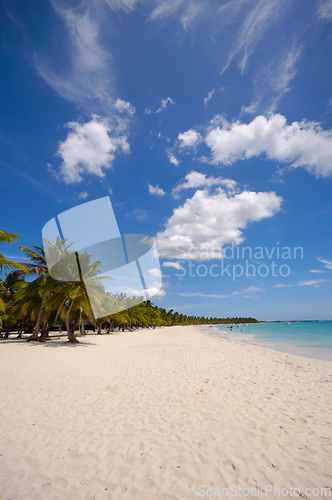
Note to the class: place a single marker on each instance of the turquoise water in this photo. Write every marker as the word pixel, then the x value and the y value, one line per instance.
pixel 306 338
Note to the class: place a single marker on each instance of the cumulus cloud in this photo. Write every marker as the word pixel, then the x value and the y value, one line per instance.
pixel 88 148
pixel 152 291
pixel 155 273
pixel 156 190
pixel 195 180
pixel 200 227
pixel 175 265
pixel 125 107
pixel 189 139
pixel 156 292
pixel 301 144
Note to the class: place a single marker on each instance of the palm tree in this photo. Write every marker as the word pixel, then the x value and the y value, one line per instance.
pixel 13 285
pixel 71 295
pixel 41 289
pixel 5 263
pixel 35 292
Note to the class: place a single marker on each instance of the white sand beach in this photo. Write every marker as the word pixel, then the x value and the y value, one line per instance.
pixel 161 414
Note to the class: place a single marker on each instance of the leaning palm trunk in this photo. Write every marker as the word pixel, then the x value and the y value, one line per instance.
pixel 71 335
pixel 36 329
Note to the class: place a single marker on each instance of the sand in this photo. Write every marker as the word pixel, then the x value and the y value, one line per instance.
pixel 162 414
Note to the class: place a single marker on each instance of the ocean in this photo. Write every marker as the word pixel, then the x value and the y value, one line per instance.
pixel 312 339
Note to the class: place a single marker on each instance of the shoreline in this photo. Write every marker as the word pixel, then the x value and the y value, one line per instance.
pixel 157 414
pixel 319 353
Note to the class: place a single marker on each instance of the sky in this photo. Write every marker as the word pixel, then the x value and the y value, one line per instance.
pixel 207 123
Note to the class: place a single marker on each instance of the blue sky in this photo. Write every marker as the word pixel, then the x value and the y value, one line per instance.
pixel 209 125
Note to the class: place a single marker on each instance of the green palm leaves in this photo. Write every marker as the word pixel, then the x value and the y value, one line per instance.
pixel 6 264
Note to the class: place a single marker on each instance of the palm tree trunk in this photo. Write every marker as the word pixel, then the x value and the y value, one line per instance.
pixel 36 329
pixel 111 326
pixel 6 336
pixel 45 332
pixel 19 333
pixel 82 327
pixel 70 334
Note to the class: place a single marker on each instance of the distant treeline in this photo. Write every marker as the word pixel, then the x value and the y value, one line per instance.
pixel 43 304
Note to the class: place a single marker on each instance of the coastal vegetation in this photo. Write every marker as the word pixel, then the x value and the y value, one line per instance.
pixel 33 302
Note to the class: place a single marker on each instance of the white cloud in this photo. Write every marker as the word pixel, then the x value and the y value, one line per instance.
pixel 301 144
pixel 209 96
pixel 86 75
pixel 187 11
pixel 164 103
pixel 175 265
pixel 328 263
pixel 127 5
pixel 274 81
pixel 192 12
pixel 156 190
pixel 156 292
pixel 83 195
pixel 163 106
pixel 254 289
pixel 189 139
pixel 173 159
pixel 213 295
pixel 315 271
pixel 329 105
pixel 315 283
pixel 140 214
pixel 153 291
pixel 310 282
pixel 195 180
pixel 199 228
pixel 256 22
pixel 324 10
pixel 123 106
pixel 88 148
pixel 285 72
pixel 155 273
